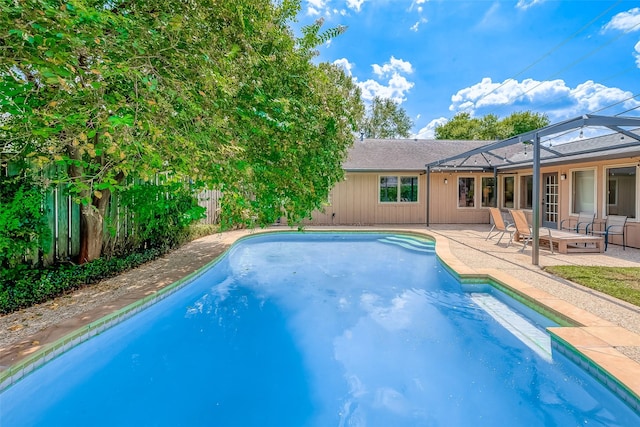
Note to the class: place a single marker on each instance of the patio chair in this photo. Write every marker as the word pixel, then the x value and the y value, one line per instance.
pixel 614 226
pixel 584 221
pixel 522 226
pixel 500 227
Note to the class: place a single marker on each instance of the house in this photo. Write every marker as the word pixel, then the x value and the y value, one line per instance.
pixel 386 183
pixel 454 182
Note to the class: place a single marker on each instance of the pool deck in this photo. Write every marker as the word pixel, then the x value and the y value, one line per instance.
pixel 608 335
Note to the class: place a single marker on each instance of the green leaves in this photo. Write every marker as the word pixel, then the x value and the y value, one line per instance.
pixel 312 37
pixel 217 91
pixel 490 127
pixel 386 119
pixel 23 229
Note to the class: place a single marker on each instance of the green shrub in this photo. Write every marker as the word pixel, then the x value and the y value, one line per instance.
pixel 35 286
pixel 23 227
pixel 163 214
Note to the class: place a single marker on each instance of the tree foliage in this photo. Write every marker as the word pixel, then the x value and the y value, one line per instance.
pixel 386 119
pixel 489 127
pixel 217 91
pixel 23 229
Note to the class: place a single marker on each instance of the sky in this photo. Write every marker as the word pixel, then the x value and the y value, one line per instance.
pixel 437 58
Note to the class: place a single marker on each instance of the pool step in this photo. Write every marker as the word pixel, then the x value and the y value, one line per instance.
pixel 536 339
pixel 412 244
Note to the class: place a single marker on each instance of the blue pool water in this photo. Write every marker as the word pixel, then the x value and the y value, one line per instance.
pixel 318 329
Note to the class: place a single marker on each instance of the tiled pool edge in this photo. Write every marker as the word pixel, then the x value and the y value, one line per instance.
pixel 573 353
pixel 601 360
pixel 32 362
pixel 550 306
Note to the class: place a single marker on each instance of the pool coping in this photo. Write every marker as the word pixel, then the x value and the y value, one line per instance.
pixel 583 337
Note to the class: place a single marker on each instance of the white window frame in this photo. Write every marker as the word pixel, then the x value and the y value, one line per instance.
pixel 502 189
pixel 475 191
pixel 605 189
pixel 495 190
pixel 595 187
pixel 521 195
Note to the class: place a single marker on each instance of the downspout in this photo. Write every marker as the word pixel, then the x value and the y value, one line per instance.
pixel 495 180
pixel 428 192
pixel 535 226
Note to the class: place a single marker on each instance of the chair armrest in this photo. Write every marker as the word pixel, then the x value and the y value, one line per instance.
pixel 568 227
pixel 586 227
pixel 615 229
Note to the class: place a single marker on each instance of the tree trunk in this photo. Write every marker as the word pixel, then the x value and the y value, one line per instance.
pixel 91 214
pixel 92 228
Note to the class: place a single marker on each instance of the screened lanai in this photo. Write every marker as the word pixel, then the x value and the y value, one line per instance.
pixel 619 138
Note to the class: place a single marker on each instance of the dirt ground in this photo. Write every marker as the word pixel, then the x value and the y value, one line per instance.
pixel 26 331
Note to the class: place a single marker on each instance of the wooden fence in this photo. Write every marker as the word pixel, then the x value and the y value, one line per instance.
pixel 63 219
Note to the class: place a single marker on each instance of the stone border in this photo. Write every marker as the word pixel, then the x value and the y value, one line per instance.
pixel 16 372
pixel 584 338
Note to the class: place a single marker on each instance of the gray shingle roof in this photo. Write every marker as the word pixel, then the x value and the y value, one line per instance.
pixel 403 154
pixel 413 155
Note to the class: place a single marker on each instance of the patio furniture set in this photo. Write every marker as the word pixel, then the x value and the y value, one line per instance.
pixel 568 238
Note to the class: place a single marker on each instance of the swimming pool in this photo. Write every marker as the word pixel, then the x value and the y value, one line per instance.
pixel 319 329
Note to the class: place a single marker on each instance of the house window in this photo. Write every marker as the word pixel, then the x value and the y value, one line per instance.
pixel 488 192
pixel 508 192
pixel 583 189
pixel 526 192
pixel 398 189
pixel 409 189
pixel 466 192
pixel 388 189
pixel 621 191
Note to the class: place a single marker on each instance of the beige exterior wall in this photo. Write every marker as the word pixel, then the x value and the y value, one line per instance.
pixel 355 201
pixel 446 207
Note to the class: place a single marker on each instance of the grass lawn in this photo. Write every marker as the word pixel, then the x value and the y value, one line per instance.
pixel 620 282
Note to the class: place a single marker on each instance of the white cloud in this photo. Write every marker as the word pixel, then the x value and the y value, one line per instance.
pixel 417 5
pixel 394 89
pixel 416 26
pixel 429 131
pixel 590 96
pixel 637 54
pixel 394 84
pixel 325 8
pixel 316 7
pixel 344 64
pixel 526 4
pixel 355 4
pixel 554 97
pixel 625 21
pixel 392 67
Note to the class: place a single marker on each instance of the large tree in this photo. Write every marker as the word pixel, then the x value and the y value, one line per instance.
pixel 220 92
pixel 489 127
pixel 386 119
